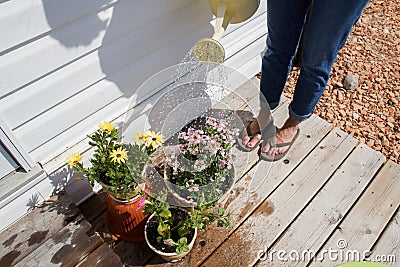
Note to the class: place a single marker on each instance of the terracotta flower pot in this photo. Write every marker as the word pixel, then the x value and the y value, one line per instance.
pixel 124 219
pixel 170 256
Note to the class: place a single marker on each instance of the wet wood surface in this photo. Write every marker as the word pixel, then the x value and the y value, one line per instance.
pixel 328 189
pixel 54 234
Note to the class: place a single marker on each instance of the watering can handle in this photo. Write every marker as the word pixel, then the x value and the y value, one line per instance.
pixel 221 21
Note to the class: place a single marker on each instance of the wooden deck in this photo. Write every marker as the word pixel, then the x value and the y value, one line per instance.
pixel 330 193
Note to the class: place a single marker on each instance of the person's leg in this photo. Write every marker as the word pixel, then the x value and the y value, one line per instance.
pixel 330 25
pixel 285 19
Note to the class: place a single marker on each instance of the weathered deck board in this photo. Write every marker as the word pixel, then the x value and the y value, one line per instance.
pixel 271 218
pixel 368 218
pixel 31 231
pixel 242 202
pixel 68 247
pixel 103 256
pixel 320 218
pixel 134 254
pixel 388 244
pixel 94 206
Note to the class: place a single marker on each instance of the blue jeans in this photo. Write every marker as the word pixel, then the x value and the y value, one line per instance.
pixel 329 26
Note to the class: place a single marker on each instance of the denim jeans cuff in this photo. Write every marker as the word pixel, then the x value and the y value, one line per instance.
pixel 296 116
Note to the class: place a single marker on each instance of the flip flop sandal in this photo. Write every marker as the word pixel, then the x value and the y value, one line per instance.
pixel 245 147
pixel 266 157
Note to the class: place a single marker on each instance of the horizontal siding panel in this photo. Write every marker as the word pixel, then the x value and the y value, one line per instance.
pixel 250 31
pixel 47 54
pixel 22 20
pixel 96 66
pixel 65 44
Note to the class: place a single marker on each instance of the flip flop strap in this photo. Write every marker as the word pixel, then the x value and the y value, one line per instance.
pixel 273 144
pixel 249 134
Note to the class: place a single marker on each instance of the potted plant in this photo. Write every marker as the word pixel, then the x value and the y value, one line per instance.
pixel 171 231
pixel 118 168
pixel 200 167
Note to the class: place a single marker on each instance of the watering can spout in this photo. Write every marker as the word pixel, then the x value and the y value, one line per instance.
pixel 226 12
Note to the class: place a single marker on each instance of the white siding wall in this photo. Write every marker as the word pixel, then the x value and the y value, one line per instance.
pixel 66 65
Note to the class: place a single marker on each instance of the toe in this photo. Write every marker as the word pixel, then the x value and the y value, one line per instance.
pixel 245 140
pixel 254 141
pixel 272 151
pixel 266 147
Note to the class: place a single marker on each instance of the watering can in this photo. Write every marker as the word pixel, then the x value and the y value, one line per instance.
pixel 226 12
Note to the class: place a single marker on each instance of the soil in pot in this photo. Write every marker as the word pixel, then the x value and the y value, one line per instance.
pixel 152 234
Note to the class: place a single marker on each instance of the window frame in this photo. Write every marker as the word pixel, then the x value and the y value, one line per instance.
pixel 14 148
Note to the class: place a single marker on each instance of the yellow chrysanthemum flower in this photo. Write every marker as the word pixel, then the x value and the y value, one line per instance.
pixel 74 159
pixel 141 138
pixel 119 155
pixel 106 127
pixel 155 139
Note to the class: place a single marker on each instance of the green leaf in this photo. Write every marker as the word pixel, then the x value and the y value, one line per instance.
pixel 163 229
pixel 182 246
pixel 165 213
pixel 221 211
pixel 183 230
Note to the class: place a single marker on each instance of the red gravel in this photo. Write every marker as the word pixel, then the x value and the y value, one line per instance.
pixel 370 113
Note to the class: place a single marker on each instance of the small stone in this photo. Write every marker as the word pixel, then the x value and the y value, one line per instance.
pixel 340 95
pixel 338 84
pixel 390 119
pixel 385 31
pixel 350 82
pixel 370 143
pixel 356 116
pixel 386 142
pixel 380 125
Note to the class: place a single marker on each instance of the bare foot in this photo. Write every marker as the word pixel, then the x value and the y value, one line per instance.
pixel 283 135
pixel 263 118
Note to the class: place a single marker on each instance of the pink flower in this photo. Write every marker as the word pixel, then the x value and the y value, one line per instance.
pixel 141 202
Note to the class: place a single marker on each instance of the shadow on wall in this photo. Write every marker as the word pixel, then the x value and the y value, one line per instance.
pixel 58 12
pixel 121 46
